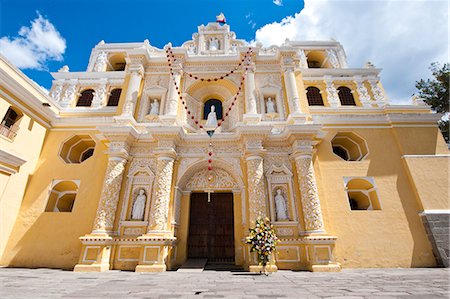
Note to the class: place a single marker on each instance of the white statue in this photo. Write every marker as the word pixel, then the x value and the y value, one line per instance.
pixel 211 121
pixel 270 106
pixel 137 213
pixel 213 44
pixel 154 107
pixel 281 207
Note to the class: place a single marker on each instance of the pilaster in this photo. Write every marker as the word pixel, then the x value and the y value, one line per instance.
pixel 289 68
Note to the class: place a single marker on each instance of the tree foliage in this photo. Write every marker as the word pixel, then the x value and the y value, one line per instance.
pixel 435 92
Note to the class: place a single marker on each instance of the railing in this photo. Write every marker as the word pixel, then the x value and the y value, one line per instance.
pixel 8 132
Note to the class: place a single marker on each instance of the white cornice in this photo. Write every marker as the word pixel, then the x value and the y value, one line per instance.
pixel 338 74
pixel 88 75
pixel 9 159
pixel 31 98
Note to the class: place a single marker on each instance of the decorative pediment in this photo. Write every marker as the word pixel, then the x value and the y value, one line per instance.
pixel 213 39
pixel 220 180
pixel 278 171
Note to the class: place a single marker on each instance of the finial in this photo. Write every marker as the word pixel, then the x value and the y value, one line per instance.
pixel 221 18
pixel 64 69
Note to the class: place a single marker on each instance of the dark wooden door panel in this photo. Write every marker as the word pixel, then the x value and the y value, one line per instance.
pixel 211 228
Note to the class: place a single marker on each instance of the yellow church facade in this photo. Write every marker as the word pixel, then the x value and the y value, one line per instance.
pixel 110 171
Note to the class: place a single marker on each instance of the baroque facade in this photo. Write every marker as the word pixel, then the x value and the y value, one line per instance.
pixel 344 176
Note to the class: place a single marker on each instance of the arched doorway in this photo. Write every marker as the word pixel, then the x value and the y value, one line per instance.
pixel 210 230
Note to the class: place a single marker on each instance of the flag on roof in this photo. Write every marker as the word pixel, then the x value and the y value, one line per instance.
pixel 221 18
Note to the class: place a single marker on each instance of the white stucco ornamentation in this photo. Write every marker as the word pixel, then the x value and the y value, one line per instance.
pixel 303 59
pixel 99 96
pixel 332 94
pixel 332 58
pixel 106 210
pixel 100 63
pixel 56 92
pixel 160 202
pixel 136 72
pixel 378 93
pixel 69 95
pixel 312 212
pixel 364 96
pixel 256 188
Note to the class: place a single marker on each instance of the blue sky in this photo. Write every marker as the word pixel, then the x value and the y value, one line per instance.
pixel 400 36
pixel 84 23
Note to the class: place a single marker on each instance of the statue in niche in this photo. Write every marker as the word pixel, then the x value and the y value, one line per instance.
pixel 281 206
pixel 213 44
pixel 154 107
pixel 211 121
pixel 270 106
pixel 137 213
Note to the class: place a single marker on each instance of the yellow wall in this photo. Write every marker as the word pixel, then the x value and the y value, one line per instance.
pixel 26 145
pixel 50 239
pixel 430 179
pixel 391 237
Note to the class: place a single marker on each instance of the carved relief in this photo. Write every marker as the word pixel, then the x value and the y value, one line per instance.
pixel 160 203
pixel 332 58
pixel 100 63
pixel 310 196
pixel 106 211
pixel 220 180
pixel 256 189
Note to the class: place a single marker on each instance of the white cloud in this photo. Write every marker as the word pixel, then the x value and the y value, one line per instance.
pixel 278 2
pixel 34 45
pixel 402 37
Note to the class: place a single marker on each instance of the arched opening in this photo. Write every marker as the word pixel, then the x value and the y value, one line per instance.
pixel 212 222
pixel 346 96
pixel 317 59
pixel 314 97
pixel 62 196
pixel 85 99
pixel 361 194
pixel 116 63
pixel 114 97
pixel 207 108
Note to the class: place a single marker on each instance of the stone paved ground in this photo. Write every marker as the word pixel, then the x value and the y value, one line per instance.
pixel 360 283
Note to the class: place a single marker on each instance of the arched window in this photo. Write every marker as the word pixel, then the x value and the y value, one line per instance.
pixel 114 97
pixel 346 96
pixel 314 97
pixel 207 108
pixel 85 99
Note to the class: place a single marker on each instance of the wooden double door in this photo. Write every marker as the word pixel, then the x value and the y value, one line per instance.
pixel 211 227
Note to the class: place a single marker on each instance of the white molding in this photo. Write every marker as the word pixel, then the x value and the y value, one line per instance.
pixel 426 212
pixel 426 156
pixel 10 159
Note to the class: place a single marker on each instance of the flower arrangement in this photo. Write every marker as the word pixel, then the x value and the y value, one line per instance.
pixel 263 240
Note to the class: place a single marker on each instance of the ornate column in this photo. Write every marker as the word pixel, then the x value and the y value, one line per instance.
pixel 159 212
pixel 251 113
pixel 364 96
pixel 256 188
pixel 290 82
pixel 159 239
pixel 100 94
pixel 172 95
pixel 96 249
pixel 312 213
pixel 136 70
pixel 69 95
pixel 332 93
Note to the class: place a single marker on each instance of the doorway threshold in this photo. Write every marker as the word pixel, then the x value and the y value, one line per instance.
pixel 193 265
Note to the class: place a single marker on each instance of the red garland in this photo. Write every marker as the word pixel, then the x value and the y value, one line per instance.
pixel 171 58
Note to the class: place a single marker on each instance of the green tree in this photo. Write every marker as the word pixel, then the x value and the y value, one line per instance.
pixel 435 92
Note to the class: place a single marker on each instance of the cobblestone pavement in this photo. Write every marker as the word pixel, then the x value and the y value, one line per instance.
pixel 352 283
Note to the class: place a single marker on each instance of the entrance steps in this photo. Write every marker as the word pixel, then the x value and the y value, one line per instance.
pixel 193 265
pixel 200 265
